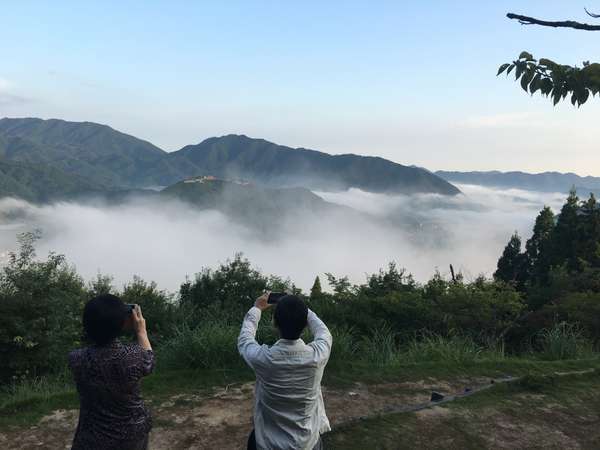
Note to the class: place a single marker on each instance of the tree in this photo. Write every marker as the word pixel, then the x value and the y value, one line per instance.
pixel 511 264
pixel 537 248
pixel 552 79
pixel 156 305
pixel 315 290
pixel 565 239
pixel 230 289
pixel 589 232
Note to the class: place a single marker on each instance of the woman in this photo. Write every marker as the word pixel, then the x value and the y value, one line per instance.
pixel 107 374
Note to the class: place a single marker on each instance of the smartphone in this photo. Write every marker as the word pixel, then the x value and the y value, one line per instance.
pixel 274 297
pixel 128 323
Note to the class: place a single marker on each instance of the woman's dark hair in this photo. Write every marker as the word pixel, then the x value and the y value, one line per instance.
pixel 291 317
pixel 103 318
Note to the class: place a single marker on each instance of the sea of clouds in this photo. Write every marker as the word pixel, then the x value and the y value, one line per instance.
pixel 168 241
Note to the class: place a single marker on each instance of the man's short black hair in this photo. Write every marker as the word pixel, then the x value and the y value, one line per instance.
pixel 103 318
pixel 291 317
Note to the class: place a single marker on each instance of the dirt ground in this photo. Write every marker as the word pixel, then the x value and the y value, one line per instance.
pixel 222 419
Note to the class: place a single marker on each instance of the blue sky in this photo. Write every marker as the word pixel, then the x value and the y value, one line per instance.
pixel 409 81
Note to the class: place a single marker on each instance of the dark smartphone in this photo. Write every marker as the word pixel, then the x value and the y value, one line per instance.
pixel 128 323
pixel 274 297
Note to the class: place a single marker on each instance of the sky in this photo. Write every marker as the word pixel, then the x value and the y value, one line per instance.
pixel 414 82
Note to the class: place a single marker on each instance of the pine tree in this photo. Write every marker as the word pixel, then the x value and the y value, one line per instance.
pixel 565 238
pixel 538 247
pixel 589 232
pixel 511 265
pixel 315 290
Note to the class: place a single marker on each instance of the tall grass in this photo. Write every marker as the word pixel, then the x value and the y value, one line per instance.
pixel 379 346
pixel 433 347
pixel 38 390
pixel 211 345
pixel 345 345
pixel 564 341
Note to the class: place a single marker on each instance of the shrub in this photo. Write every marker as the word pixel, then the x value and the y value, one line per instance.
pixel 40 312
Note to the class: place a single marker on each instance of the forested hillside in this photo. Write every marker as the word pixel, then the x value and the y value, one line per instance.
pixel 114 160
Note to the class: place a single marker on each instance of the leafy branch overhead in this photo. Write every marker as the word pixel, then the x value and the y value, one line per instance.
pixel 554 80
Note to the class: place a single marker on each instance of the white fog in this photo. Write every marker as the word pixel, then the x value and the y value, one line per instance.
pixel 166 242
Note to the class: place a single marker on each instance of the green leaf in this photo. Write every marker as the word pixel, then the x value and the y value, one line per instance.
pixel 502 68
pixel 526 55
pixel 535 84
pixel 520 70
pixel 510 68
pixel 547 62
pixel 527 76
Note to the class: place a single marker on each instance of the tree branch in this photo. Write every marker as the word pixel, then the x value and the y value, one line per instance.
pixel 595 16
pixel 524 20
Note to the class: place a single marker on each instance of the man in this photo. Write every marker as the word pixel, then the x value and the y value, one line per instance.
pixel 289 413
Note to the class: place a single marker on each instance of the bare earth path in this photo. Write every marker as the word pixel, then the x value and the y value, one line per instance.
pixel 222 419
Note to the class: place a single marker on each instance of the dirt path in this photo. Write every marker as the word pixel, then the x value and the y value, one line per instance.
pixel 223 418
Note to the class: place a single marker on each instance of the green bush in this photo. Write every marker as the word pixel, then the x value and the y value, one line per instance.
pixel 40 312
pixel 159 310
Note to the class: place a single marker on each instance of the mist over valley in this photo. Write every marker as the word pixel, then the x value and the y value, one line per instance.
pixel 348 233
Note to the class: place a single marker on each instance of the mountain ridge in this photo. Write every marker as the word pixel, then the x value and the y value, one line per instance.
pixel 110 158
pixel 550 181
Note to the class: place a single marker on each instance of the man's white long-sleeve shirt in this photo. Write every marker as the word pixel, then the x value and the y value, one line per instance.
pixel 289 412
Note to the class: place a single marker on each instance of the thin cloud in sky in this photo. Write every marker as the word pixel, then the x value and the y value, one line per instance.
pixel 507 120
pixel 8 96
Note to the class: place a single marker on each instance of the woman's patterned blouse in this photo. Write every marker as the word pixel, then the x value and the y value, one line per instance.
pixel 112 413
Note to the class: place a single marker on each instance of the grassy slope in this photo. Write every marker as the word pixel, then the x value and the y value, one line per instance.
pixel 539 412
pixel 25 407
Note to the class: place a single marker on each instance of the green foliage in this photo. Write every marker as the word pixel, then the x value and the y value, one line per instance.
pixel 449 349
pixel 157 306
pixel 563 341
pixel 379 346
pixel 554 80
pixel 211 344
pixel 345 344
pixel 511 265
pixel 40 311
pixel 561 251
pixel 316 291
pixel 227 291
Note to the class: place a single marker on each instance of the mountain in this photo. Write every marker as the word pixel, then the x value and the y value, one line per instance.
pixel 41 183
pixel 545 182
pixel 96 152
pixel 263 162
pixel 258 207
pixel 110 159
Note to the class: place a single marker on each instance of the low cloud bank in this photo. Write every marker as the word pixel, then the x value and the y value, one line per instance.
pixel 167 241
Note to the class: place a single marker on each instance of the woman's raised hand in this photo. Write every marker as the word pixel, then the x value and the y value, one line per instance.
pixel 139 325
